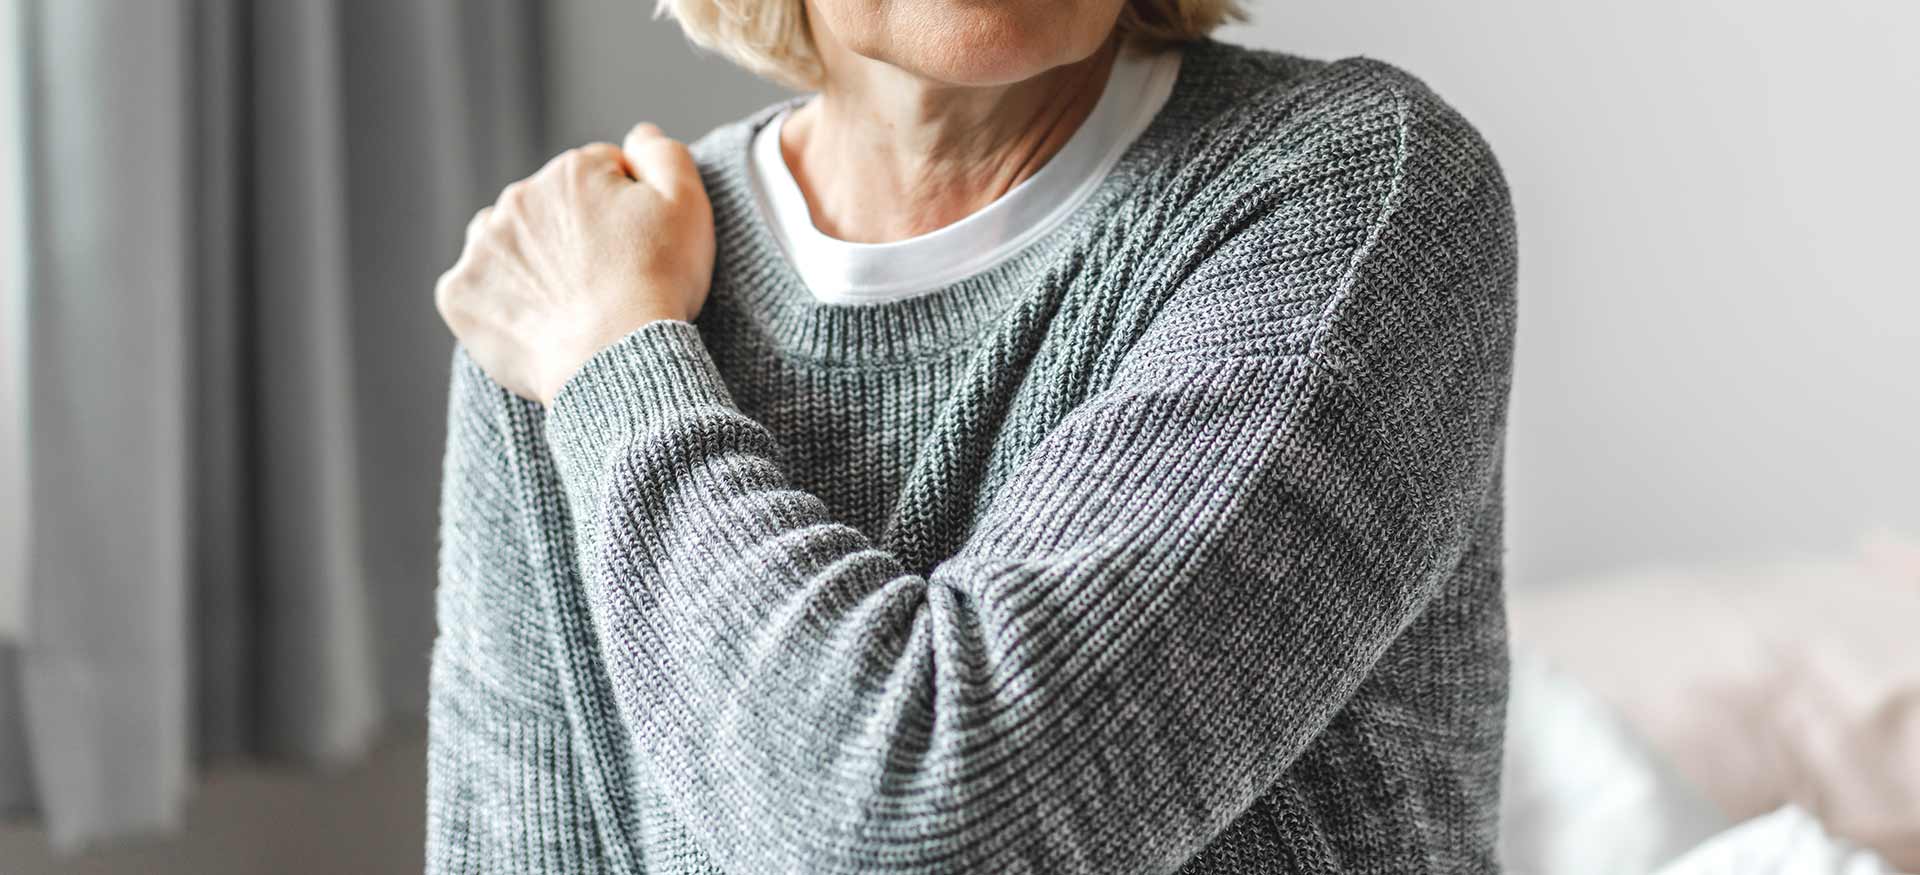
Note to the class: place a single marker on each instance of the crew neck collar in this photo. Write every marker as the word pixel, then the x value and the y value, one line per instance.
pixel 754 283
pixel 843 272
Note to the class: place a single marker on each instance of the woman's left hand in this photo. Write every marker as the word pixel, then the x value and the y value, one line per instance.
pixel 599 242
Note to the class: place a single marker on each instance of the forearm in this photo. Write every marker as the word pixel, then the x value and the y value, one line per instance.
pixel 1109 668
pixel 499 743
pixel 488 600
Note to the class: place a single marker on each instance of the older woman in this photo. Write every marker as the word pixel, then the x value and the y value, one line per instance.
pixel 1063 443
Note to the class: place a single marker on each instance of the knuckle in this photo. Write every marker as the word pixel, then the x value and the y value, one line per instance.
pixel 573 164
pixel 555 162
pixel 444 291
pixel 592 158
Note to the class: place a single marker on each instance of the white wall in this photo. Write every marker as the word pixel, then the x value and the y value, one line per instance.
pixel 1720 331
pixel 1719 205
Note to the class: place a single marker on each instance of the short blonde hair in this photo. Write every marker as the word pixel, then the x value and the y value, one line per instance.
pixel 771 38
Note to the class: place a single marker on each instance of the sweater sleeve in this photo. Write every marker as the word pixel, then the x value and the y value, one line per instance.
pixel 1168 600
pixel 499 750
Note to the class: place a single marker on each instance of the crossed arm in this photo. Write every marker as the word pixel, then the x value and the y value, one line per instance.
pixel 1178 589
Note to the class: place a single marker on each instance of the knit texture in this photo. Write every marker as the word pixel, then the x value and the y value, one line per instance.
pixel 1172 544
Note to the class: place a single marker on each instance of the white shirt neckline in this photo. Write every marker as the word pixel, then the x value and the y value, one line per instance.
pixel 842 272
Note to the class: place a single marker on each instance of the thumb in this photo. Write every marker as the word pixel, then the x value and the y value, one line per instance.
pixel 658 160
pixel 640 134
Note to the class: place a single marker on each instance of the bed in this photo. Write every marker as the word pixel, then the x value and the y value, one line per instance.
pixel 1749 719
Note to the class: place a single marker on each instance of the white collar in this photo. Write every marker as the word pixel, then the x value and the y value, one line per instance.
pixel 841 272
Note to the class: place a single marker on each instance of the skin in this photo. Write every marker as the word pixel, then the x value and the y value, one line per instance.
pixel 929 111
pixel 967 102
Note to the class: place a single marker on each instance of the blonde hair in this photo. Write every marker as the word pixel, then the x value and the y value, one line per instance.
pixel 771 38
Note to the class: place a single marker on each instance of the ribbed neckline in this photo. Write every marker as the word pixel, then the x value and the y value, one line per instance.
pixel 754 280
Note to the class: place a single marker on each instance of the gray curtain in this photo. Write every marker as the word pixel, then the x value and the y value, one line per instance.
pixel 236 378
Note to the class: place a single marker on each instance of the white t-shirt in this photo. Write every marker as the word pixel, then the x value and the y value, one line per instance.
pixel 840 272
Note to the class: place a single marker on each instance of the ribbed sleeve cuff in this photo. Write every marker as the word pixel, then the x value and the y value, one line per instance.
pixel 634 384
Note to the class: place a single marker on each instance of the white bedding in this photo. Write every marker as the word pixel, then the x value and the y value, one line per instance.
pixel 1787 842
pixel 1581 794
pixel 1584 795
pixel 1720 718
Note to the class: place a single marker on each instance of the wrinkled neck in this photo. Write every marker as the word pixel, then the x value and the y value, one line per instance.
pixel 882 154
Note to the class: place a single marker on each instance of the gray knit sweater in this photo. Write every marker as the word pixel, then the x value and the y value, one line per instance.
pixel 1172 544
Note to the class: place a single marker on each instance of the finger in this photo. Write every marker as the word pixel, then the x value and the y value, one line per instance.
pixel 661 162
pixel 597 158
pixel 478 223
pixel 513 198
pixel 641 133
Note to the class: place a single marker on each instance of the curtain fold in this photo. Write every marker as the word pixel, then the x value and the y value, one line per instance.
pixel 236 378
pixel 13 280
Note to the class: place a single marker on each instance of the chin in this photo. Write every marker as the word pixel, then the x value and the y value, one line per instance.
pixel 983 43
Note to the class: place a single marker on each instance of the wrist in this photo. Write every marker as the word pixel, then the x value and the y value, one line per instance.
pixel 608 331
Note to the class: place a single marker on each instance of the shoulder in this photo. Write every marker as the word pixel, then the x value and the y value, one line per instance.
pixel 1337 198
pixel 720 152
pixel 1355 139
pixel 1344 212
pixel 1438 251
pixel 1366 109
pixel 1272 110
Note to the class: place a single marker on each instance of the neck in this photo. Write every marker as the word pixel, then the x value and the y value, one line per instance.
pixel 883 154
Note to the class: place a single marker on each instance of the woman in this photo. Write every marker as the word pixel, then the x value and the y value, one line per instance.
pixel 1064 443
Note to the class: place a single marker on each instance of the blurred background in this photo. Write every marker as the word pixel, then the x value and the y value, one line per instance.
pixel 222 391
